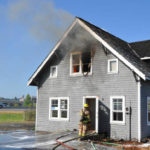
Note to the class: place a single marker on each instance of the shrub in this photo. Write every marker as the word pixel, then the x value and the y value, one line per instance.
pixel 30 105
pixel 16 105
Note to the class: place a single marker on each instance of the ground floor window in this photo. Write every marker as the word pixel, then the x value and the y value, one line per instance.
pixel 59 108
pixel 117 109
pixel 148 110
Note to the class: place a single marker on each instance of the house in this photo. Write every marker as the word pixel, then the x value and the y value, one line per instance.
pixel 90 65
pixel 21 99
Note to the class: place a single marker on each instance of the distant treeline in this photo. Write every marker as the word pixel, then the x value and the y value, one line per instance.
pixel 26 102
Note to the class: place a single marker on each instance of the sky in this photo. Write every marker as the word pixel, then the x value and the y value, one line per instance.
pixel 29 29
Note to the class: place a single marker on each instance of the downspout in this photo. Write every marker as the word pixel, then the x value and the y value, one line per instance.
pixel 139 108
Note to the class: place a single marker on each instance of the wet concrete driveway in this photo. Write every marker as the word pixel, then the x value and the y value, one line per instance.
pixel 27 139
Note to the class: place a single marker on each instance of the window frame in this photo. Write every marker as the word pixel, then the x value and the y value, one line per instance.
pixel 71 64
pixel 148 122
pixel 108 66
pixel 111 110
pixel 51 67
pixel 59 110
pixel 80 69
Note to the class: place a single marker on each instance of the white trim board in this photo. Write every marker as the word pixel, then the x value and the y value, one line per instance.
pixel 139 108
pixel 37 97
pixel 145 58
pixel 148 99
pixel 132 67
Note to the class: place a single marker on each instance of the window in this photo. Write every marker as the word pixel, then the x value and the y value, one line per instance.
pixel 86 62
pixel 76 63
pixel 80 63
pixel 59 108
pixel 53 71
pixel 117 109
pixel 148 110
pixel 113 66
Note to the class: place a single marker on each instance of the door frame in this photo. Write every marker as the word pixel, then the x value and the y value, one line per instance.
pixel 97 109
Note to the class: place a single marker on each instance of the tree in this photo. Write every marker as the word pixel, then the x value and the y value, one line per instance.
pixel 15 98
pixel 27 101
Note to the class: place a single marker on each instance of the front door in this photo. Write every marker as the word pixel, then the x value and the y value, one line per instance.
pixel 91 102
pixel 93 108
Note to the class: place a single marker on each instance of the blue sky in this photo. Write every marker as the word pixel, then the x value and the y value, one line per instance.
pixel 23 47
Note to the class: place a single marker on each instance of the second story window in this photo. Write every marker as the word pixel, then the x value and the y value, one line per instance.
pixel 80 63
pixel 53 71
pixel 76 63
pixel 112 66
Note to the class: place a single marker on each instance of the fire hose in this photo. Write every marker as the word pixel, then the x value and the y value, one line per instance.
pixel 65 145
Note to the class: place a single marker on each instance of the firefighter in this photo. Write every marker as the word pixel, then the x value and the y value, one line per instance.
pixel 84 121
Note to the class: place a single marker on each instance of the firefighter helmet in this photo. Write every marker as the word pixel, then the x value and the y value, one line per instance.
pixel 86 105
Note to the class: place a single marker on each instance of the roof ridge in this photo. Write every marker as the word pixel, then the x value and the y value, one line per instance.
pixel 103 30
pixel 139 41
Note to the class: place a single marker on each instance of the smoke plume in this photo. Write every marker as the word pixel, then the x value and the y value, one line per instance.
pixel 43 19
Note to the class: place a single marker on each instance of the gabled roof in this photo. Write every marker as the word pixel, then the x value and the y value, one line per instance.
pixel 119 48
pixel 142 48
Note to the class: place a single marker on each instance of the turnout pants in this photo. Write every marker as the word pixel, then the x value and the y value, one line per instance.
pixel 82 129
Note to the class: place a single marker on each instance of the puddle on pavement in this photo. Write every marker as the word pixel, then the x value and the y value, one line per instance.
pixel 25 139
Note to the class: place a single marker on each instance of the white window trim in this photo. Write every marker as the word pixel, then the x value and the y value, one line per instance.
pixel 148 122
pixel 80 71
pixel 58 118
pixel 51 67
pixel 108 66
pixel 123 109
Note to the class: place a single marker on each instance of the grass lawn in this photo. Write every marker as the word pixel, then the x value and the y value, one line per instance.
pixel 17 116
pixel 8 117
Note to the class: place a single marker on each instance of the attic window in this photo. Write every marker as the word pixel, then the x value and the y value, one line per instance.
pixel 80 63
pixel 53 71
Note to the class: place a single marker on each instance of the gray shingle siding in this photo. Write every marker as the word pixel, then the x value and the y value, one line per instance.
pixel 145 91
pixel 98 84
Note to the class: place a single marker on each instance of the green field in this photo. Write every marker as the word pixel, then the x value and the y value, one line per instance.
pixel 11 118
pixel 17 116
